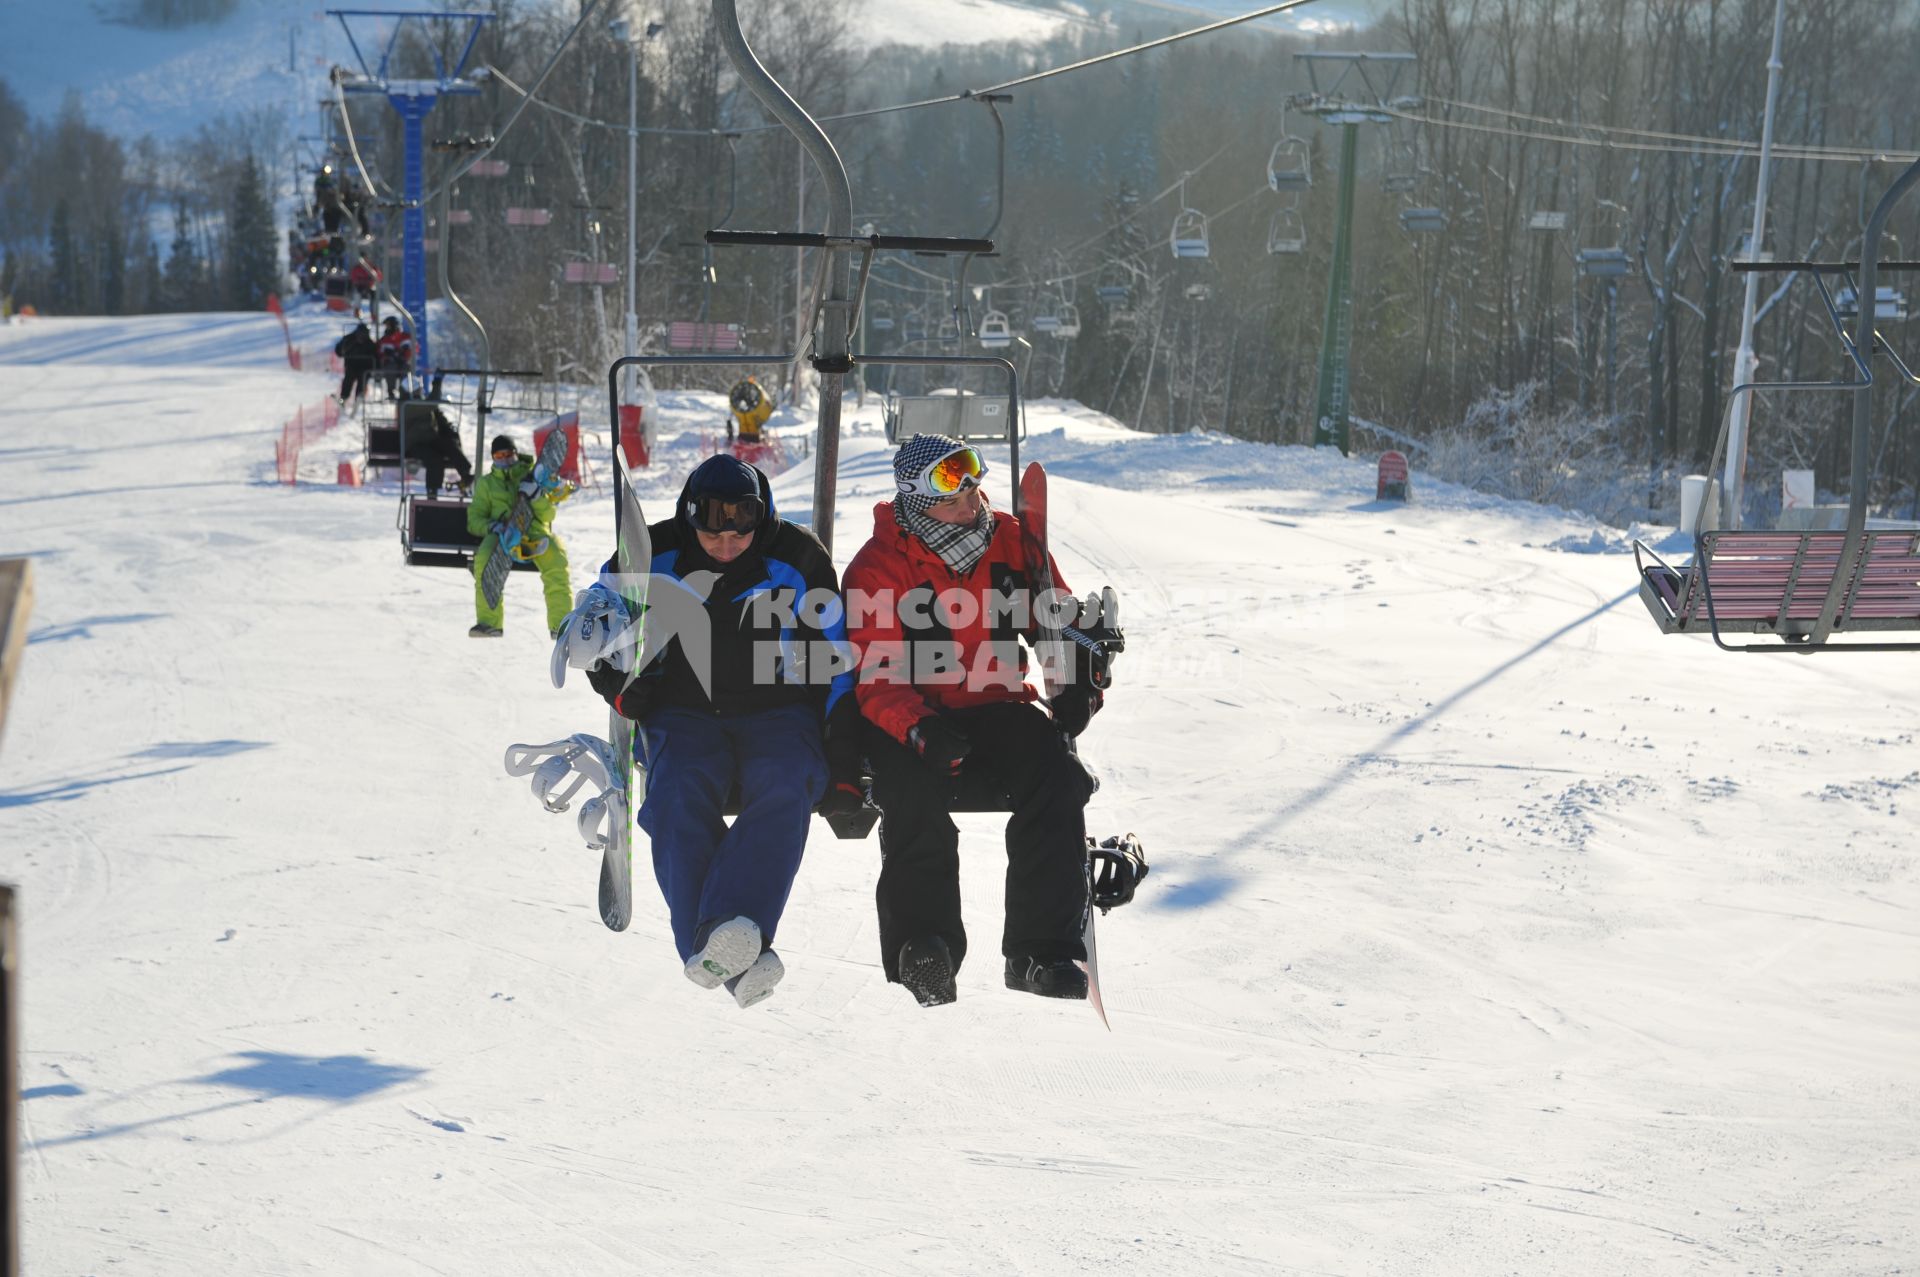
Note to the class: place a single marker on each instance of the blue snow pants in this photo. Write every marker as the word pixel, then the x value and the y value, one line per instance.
pixel 707 871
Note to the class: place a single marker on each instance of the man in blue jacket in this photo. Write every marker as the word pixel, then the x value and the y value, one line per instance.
pixel 752 706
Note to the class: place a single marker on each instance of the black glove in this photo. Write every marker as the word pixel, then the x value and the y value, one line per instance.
pixel 627 700
pixel 1075 707
pixel 940 745
pixel 843 798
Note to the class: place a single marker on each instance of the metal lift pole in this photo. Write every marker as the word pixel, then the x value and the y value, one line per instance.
pixel 833 341
pixel 1330 415
pixel 1373 104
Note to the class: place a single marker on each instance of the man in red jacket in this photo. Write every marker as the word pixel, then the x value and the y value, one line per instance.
pixel 396 355
pixel 937 603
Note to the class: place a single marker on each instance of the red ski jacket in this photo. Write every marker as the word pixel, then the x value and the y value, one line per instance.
pixel 396 349
pixel 930 639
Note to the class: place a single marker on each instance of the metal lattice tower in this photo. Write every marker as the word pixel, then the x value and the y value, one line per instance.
pixel 412 100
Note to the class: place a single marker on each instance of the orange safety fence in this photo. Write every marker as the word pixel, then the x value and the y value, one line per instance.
pixel 307 423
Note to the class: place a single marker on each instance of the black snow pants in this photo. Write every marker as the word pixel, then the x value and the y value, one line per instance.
pixel 1019 758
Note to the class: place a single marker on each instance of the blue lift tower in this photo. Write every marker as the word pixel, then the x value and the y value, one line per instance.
pixel 413 99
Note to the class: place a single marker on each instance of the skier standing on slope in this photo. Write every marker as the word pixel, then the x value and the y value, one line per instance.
pixel 939 599
pixel 493 496
pixel 745 612
pixel 357 356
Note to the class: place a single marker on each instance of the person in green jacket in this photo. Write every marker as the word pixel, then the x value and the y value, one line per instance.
pixel 493 497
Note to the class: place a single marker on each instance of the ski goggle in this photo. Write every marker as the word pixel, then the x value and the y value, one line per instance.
pixel 949 476
pixel 725 514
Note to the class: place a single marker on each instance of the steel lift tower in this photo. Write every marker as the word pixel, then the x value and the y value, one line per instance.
pixel 413 99
pixel 1350 111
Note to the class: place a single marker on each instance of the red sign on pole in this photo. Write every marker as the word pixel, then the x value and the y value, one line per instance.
pixel 1395 482
pixel 633 440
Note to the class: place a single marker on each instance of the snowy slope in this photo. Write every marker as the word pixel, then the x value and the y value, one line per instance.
pixel 269 53
pixel 1489 931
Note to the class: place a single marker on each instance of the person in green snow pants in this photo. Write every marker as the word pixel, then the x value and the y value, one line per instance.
pixel 493 497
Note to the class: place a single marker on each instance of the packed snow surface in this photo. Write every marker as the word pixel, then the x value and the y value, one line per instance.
pixel 1489 931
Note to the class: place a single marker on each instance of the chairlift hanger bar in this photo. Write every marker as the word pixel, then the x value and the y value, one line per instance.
pixel 1824 268
pixel 931 245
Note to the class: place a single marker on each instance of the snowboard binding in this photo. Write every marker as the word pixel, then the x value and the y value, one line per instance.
pixel 1115 869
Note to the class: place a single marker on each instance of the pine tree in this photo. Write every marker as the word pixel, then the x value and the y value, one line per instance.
pixel 65 290
pixel 153 294
pixel 252 247
pixel 112 254
pixel 184 273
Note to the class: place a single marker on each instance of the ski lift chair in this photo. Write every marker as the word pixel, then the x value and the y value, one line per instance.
pixel 1290 166
pixel 1188 238
pixel 338 290
pixel 1199 292
pixel 1286 233
pixel 1546 219
pixel 1402 168
pixel 1113 294
pixel 1603 263
pixel 995 331
pixel 1069 325
pixel 1046 315
pixel 1889 303
pixel 1423 221
pixel 880 315
pixel 1803 588
pixel 981 418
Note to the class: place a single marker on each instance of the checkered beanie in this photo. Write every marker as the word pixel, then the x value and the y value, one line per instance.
pixel 961 546
pixel 915 455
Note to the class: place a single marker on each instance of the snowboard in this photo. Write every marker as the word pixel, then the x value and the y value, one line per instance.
pixel 546 473
pixel 1056 671
pixel 633 562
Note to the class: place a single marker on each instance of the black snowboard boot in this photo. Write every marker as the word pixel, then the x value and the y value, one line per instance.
pixel 926 968
pixel 1048 977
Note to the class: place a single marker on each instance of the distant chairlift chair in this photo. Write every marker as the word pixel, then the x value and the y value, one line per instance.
pixel 1188 238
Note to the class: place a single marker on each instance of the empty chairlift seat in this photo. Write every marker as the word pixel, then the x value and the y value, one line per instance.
pixel 722 339
pixel 1289 166
pixel 1889 303
pixel 1602 263
pixel 1423 221
pixel 995 331
pixel 1777 583
pixel 1188 238
pixel 1286 233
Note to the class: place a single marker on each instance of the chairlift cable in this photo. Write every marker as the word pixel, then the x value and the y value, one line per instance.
pixel 965 95
pixel 1706 146
pixel 504 79
pixel 1806 150
pixel 460 169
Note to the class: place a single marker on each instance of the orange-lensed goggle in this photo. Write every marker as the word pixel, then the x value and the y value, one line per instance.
pixel 953 473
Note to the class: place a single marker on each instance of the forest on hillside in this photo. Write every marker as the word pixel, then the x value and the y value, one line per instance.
pixel 1532 132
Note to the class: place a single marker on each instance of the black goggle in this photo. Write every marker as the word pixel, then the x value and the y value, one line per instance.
pixel 725 514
